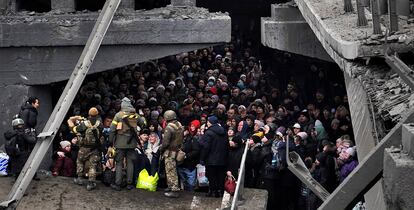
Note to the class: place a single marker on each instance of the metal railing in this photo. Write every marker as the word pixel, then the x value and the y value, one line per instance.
pixel 238 194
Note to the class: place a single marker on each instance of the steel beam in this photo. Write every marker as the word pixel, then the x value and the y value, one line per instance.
pixel 297 167
pixel 72 87
pixel 405 72
pixel 367 172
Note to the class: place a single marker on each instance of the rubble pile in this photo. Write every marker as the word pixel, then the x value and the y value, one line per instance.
pixel 390 96
pixel 168 12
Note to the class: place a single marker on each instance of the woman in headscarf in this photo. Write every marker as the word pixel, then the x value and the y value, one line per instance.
pixel 243 130
pixel 151 151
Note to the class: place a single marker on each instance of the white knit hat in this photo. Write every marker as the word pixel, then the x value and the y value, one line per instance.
pixel 64 144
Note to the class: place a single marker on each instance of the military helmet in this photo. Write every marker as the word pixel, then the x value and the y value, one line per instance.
pixel 170 115
pixel 17 121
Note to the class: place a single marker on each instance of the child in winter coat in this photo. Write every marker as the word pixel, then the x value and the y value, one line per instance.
pixel 64 164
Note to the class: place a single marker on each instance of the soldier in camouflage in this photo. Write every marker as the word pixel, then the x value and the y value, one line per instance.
pixel 172 139
pixel 89 141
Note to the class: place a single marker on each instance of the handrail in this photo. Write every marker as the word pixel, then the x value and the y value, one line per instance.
pixel 240 180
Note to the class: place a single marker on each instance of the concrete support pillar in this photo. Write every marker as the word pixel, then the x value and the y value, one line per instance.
pixel 14 96
pixel 127 4
pixel 183 3
pixel 63 5
pixel 398 170
pixel 363 132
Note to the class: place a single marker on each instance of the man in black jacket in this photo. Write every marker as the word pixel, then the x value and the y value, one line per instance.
pixel 28 112
pixel 214 153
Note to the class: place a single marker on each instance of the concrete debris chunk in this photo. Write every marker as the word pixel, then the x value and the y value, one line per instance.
pixel 397 110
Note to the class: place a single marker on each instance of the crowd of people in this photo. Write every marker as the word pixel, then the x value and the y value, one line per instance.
pixel 209 104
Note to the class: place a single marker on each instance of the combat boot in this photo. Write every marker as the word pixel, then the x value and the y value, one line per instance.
pixel 172 194
pixel 116 187
pixel 79 181
pixel 90 186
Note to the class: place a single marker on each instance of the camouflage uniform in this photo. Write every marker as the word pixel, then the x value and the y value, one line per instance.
pixel 173 137
pixel 88 160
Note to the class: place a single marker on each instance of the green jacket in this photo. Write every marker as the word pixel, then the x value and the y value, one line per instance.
pixel 122 140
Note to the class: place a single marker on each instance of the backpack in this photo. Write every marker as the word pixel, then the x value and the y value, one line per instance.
pixel 178 136
pixel 132 120
pixel 91 134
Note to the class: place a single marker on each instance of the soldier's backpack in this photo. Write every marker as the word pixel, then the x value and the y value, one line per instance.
pixel 128 121
pixel 178 136
pixel 91 134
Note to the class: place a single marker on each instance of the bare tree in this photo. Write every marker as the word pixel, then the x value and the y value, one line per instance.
pixel 348 6
pixel 362 20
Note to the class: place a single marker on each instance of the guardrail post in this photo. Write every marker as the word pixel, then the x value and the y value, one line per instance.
pixel 392 11
pixel 362 20
pixel 348 6
pixel 375 16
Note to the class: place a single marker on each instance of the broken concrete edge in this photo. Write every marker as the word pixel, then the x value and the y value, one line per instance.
pixel 349 67
pixel 367 47
pixel 309 46
pixel 367 169
pixel 70 30
pixel 183 3
pixel 346 49
pixel 398 182
pixel 408 139
pixel 285 12
pixel 160 13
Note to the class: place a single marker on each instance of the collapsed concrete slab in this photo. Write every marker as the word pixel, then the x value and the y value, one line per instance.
pixel 338 31
pixel 43 48
pixel 286 30
pixel 168 25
